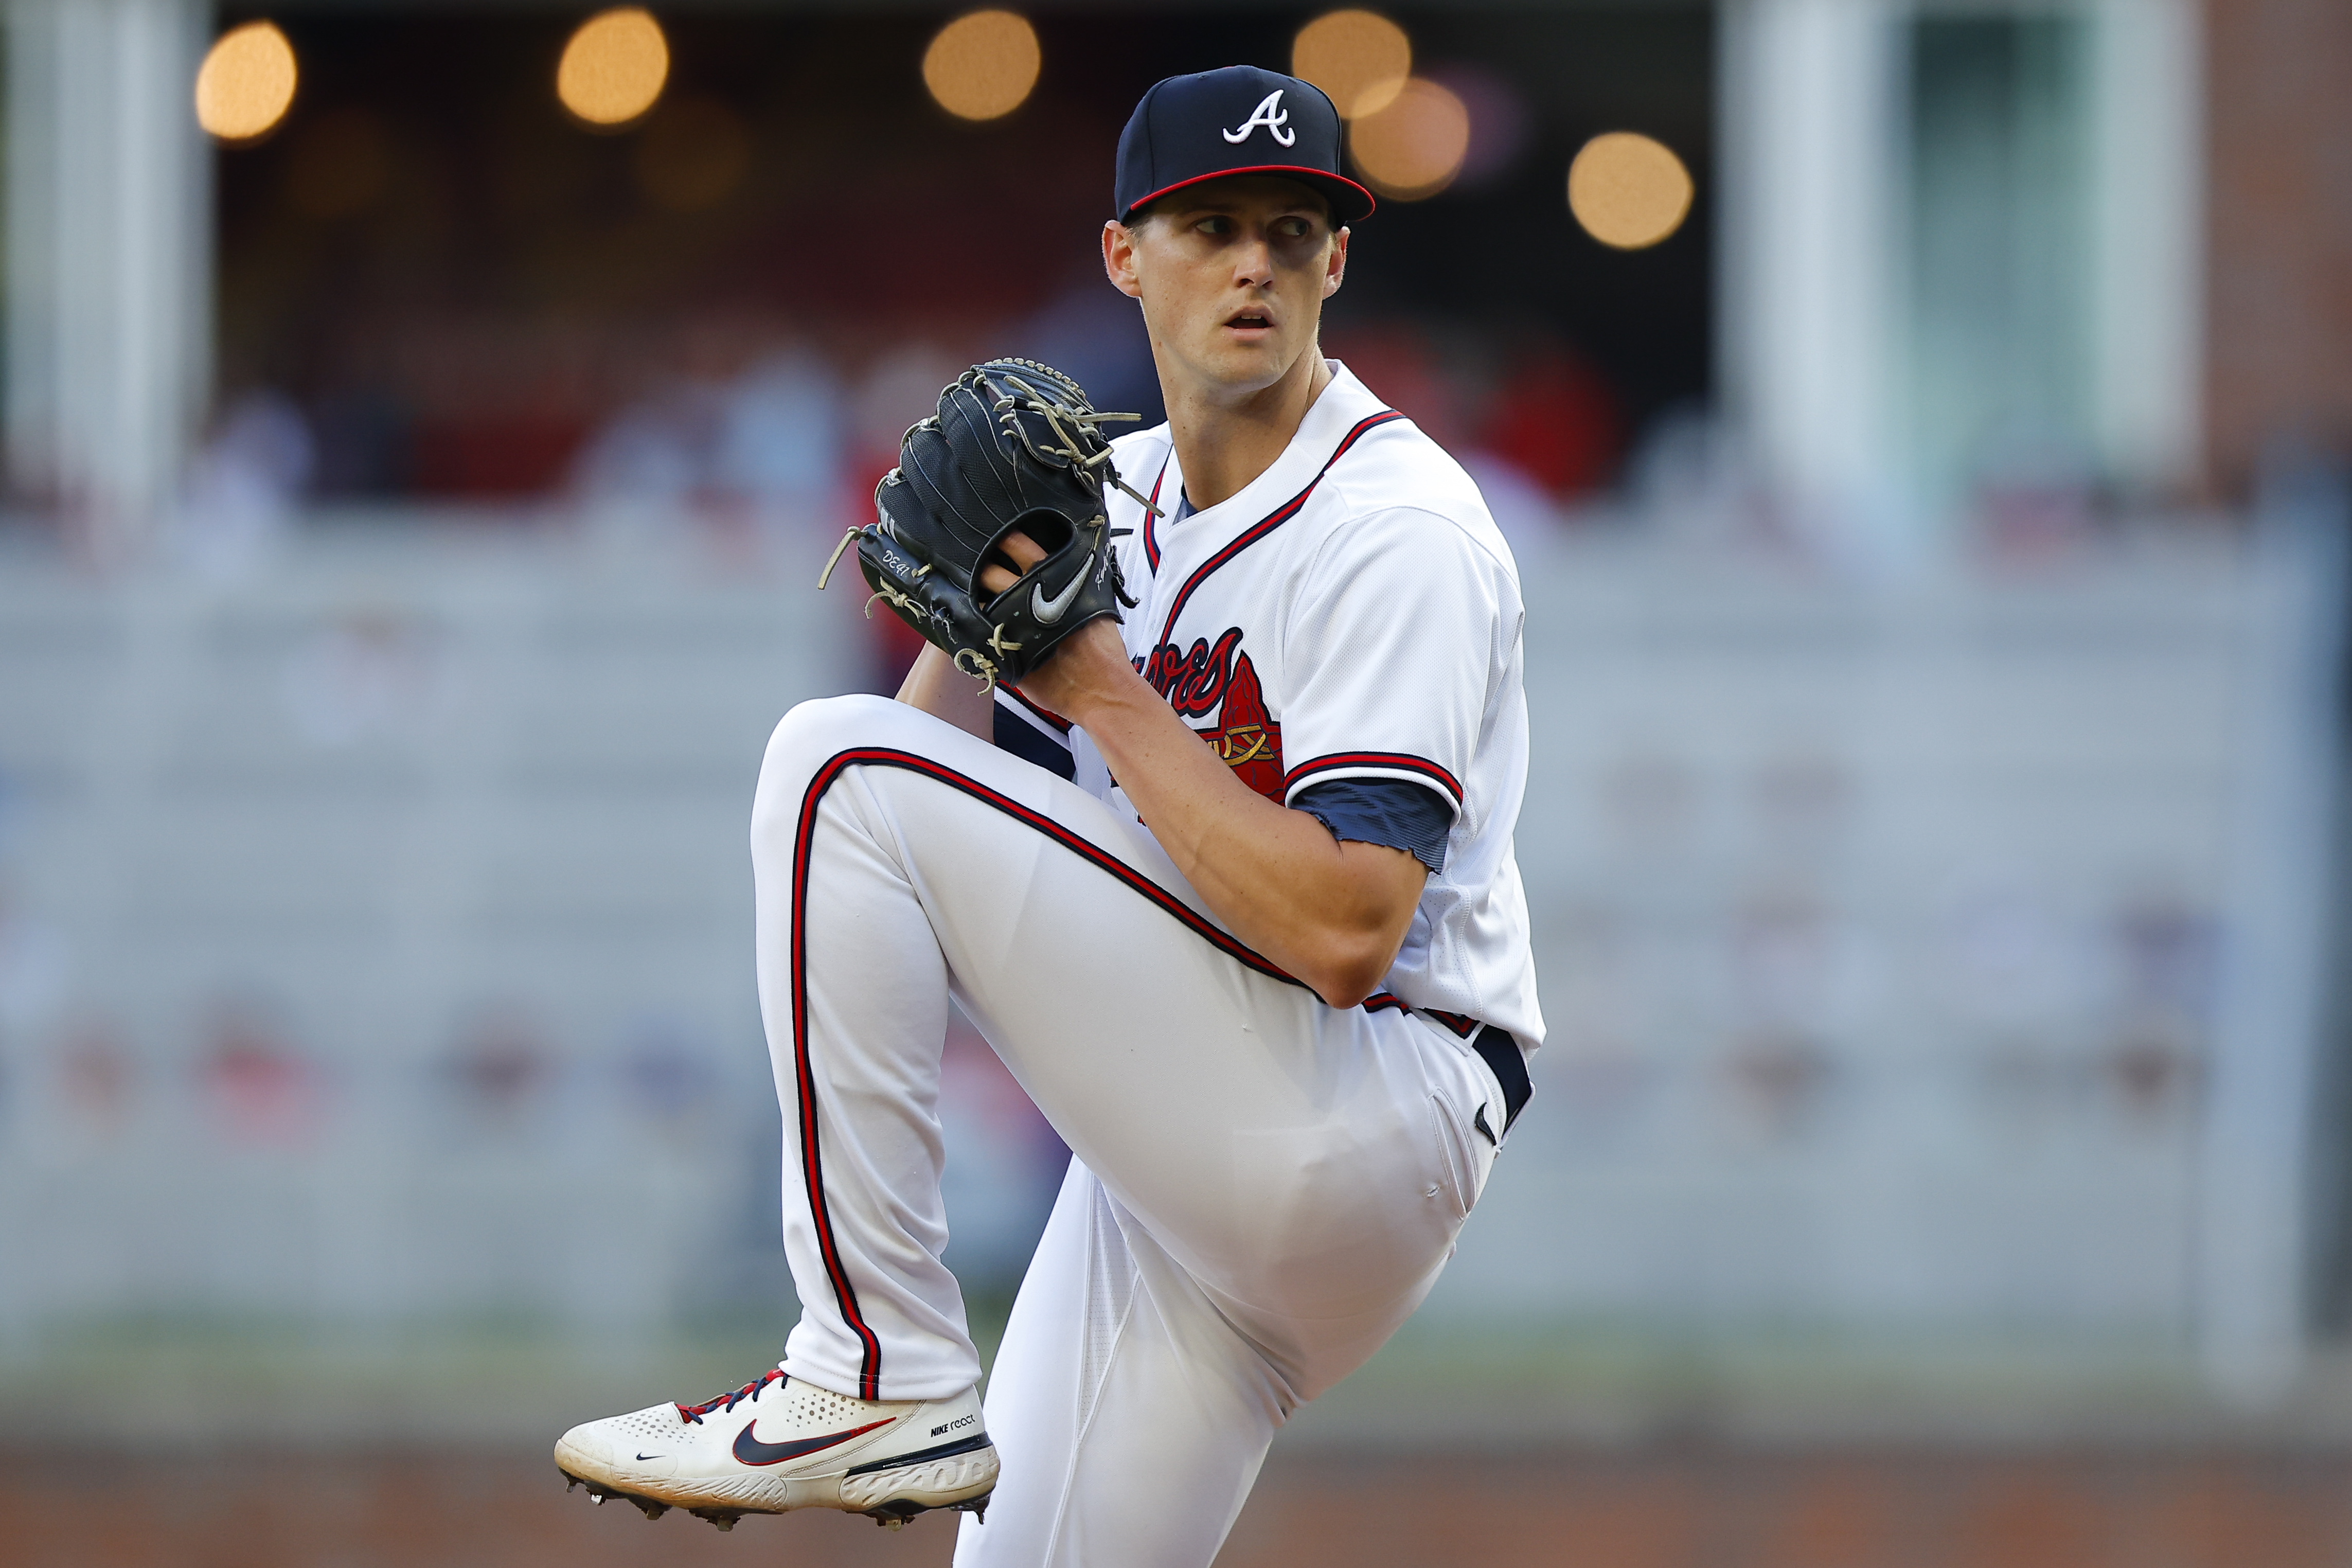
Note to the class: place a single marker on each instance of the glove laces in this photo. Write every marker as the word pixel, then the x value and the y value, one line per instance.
pixel 1089 449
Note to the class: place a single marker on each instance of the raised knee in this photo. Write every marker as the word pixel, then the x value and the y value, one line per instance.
pixel 833 722
pixel 807 738
pixel 823 728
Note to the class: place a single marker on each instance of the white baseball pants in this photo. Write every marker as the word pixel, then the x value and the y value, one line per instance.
pixel 1263 1186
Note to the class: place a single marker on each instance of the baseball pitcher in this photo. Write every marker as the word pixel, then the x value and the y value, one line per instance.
pixel 1200 805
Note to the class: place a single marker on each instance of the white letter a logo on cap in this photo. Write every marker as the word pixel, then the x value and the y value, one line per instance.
pixel 1270 114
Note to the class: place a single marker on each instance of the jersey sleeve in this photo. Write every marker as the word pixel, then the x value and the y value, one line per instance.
pixel 1391 652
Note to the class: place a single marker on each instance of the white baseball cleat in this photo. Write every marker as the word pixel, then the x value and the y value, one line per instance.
pixel 776 1443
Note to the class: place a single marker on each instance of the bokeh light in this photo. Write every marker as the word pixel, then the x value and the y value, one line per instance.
pixel 246 82
pixel 1414 147
pixel 614 68
pixel 694 154
pixel 981 66
pixel 1361 60
pixel 1628 189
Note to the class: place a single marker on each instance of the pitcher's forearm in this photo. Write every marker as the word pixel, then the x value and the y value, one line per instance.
pixel 940 690
pixel 1332 915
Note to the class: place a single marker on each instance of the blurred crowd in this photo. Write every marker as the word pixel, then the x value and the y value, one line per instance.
pixel 746 436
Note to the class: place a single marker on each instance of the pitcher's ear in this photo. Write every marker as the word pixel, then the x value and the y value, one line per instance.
pixel 1119 257
pixel 1335 268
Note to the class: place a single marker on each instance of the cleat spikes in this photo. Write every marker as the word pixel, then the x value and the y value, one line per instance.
pixel 719 1518
pixel 601 1495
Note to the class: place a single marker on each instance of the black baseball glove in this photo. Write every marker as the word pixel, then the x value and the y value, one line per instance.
pixel 1013 449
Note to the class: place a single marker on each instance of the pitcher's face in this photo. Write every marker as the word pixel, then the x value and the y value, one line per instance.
pixel 1233 274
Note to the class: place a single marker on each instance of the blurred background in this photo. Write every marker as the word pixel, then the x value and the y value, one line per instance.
pixel 1921 427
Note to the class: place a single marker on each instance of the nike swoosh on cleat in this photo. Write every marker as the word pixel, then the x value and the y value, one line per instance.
pixel 648 1456
pixel 1050 610
pixel 750 1450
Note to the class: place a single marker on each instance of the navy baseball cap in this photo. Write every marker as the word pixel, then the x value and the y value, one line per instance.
pixel 1236 120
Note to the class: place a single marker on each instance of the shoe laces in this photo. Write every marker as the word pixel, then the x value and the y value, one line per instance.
pixel 726 1401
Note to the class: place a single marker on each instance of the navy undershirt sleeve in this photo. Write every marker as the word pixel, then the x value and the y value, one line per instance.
pixel 1024 740
pixel 1403 816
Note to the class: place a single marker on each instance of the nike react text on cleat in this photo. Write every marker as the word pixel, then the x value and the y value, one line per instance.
pixel 775 1444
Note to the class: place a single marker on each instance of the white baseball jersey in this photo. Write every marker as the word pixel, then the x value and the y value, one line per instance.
pixel 1352 612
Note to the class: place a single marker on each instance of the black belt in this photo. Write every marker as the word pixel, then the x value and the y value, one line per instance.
pixel 1510 1064
pixel 1503 1053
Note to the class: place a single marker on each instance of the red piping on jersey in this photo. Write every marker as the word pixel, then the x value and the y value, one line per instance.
pixel 1150 539
pixel 1043 715
pixel 1271 522
pixel 869 1375
pixel 1463 1026
pixel 844 1295
pixel 1398 761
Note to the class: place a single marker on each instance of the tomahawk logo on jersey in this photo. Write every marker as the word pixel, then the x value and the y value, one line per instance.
pixel 1352 612
pixel 1218 684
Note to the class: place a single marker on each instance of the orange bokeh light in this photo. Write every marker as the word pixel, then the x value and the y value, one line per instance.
pixel 982 66
pixel 246 82
pixel 614 68
pixel 1361 60
pixel 1628 189
pixel 1414 147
